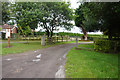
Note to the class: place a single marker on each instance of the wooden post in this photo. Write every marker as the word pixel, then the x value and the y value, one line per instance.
pixel 57 39
pixel 71 38
pixel 62 38
pixel 66 38
pixel 8 42
pixel 43 40
pixel 77 40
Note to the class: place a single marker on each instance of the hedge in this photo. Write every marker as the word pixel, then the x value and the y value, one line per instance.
pixel 3 35
pixel 107 46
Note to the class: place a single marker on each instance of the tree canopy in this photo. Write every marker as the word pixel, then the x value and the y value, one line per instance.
pixel 5 12
pixel 100 16
pixel 49 15
pixel 56 15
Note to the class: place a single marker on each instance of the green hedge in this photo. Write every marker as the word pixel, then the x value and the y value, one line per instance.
pixel 107 46
pixel 3 35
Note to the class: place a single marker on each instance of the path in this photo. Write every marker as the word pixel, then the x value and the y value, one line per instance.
pixel 45 63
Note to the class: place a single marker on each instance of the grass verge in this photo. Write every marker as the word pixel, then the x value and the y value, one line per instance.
pixel 90 64
pixel 22 47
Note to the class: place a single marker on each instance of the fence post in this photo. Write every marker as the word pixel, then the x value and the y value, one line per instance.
pixel 8 42
pixel 71 38
pixel 43 40
pixel 62 38
pixel 57 39
pixel 76 40
pixel 66 38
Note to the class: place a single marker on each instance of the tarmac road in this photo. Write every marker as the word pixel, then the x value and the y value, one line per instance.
pixel 44 63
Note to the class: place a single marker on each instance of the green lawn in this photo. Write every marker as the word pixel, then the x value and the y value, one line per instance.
pixel 22 47
pixel 91 64
pixel 0 28
pixel 86 46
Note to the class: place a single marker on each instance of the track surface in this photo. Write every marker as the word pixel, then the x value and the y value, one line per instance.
pixel 45 63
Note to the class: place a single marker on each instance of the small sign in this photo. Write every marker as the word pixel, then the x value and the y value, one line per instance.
pixel 7 33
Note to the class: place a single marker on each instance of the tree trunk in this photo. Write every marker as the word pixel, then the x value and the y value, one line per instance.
pixel 109 35
pixel 48 33
pixel 51 34
pixel 84 32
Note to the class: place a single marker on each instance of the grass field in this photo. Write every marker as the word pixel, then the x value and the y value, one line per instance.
pixel 90 64
pixel 22 47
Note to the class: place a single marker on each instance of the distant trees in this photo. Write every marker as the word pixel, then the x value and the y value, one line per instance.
pixel 100 16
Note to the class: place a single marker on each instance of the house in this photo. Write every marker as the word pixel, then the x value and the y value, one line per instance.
pixel 8 30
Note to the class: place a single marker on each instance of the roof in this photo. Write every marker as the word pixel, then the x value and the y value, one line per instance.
pixel 5 26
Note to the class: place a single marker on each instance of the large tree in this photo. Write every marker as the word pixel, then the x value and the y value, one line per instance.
pixel 56 14
pixel 50 15
pixel 79 18
pixel 101 16
pixel 85 19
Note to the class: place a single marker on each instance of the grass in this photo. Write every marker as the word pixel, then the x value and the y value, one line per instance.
pixel 22 47
pixel 86 45
pixel 0 28
pixel 20 40
pixel 91 64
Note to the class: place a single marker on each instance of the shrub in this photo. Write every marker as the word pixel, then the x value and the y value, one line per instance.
pixel 107 46
pixel 3 35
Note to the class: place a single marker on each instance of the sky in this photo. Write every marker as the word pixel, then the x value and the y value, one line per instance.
pixel 75 29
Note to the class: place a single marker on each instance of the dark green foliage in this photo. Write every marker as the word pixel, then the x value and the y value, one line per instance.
pixel 107 46
pixel 49 16
pixel 100 16
pixel 69 34
pixel 26 14
pixel 5 12
pixel 108 15
pixel 3 35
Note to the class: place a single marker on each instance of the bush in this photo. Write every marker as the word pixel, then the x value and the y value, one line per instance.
pixel 3 35
pixel 107 46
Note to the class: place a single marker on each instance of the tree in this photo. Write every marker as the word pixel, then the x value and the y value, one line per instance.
pixel 101 16
pixel 26 14
pixel 50 15
pixel 56 15
pixel 5 12
pixel 80 19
